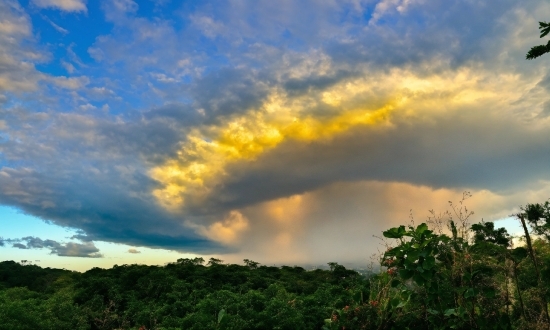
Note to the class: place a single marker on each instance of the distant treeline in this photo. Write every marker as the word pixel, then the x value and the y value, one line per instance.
pixel 443 274
pixel 183 295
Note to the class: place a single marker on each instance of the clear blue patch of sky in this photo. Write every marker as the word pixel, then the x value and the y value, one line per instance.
pixel 511 224
pixel 82 30
pixel 16 224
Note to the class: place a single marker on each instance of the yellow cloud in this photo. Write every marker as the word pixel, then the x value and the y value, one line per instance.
pixel 227 231
pixel 201 163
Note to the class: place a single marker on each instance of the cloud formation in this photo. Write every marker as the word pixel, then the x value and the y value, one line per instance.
pixel 263 130
pixel 17 59
pixel 65 5
pixel 69 249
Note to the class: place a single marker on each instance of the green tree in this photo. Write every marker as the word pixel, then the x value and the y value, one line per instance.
pixel 540 50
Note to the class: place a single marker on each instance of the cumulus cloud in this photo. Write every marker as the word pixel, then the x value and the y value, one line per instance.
pixel 70 249
pixel 70 82
pixel 19 246
pixel 65 5
pixel 386 6
pixel 17 59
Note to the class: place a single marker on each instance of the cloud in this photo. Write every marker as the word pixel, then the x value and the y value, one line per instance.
pixel 228 231
pixel 263 129
pixel 339 221
pixel 70 249
pixel 17 59
pixel 86 250
pixel 367 128
pixel 70 82
pixel 19 246
pixel 55 26
pixel 208 26
pixel 386 6
pixel 64 5
pixel 133 251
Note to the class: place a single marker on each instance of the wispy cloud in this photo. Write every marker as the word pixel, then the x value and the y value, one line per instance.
pixel 65 5
pixel 55 26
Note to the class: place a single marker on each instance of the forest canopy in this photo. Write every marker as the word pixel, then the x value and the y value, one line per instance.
pixel 445 273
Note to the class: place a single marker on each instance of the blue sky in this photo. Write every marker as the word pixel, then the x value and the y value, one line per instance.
pixel 283 132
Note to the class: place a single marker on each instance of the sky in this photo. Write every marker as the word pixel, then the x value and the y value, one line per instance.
pixel 285 132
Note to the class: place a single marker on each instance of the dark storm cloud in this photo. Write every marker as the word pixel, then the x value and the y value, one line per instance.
pixel 99 203
pixel 228 91
pixel 479 152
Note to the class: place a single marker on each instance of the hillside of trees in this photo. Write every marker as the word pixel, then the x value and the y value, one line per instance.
pixel 442 274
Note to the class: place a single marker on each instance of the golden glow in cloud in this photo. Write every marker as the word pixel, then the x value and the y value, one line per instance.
pixel 201 163
pixel 378 101
pixel 338 221
pixel 228 231
pixel 202 159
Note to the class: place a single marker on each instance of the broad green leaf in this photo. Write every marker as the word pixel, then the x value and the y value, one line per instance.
pixel 396 232
pixel 427 275
pixel 432 311
pixel 469 293
pixel 429 262
pixel 421 228
pixel 449 312
pixel 405 274
pixel 412 255
pixel 221 314
pixel 395 302
pixel 419 279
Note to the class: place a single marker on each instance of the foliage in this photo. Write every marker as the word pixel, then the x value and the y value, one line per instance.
pixel 459 277
pixel 443 274
pixel 181 295
pixel 540 50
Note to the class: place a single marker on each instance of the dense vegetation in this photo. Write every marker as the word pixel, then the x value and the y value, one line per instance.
pixel 181 295
pixel 443 274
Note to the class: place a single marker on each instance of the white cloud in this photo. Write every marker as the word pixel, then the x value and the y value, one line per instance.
pixel 386 6
pixel 127 6
pixel 208 26
pixel 55 26
pixel 87 107
pixel 68 66
pixel 65 5
pixel 17 52
pixel 70 82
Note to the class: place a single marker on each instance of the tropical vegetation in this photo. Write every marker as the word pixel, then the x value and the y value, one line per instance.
pixel 441 274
